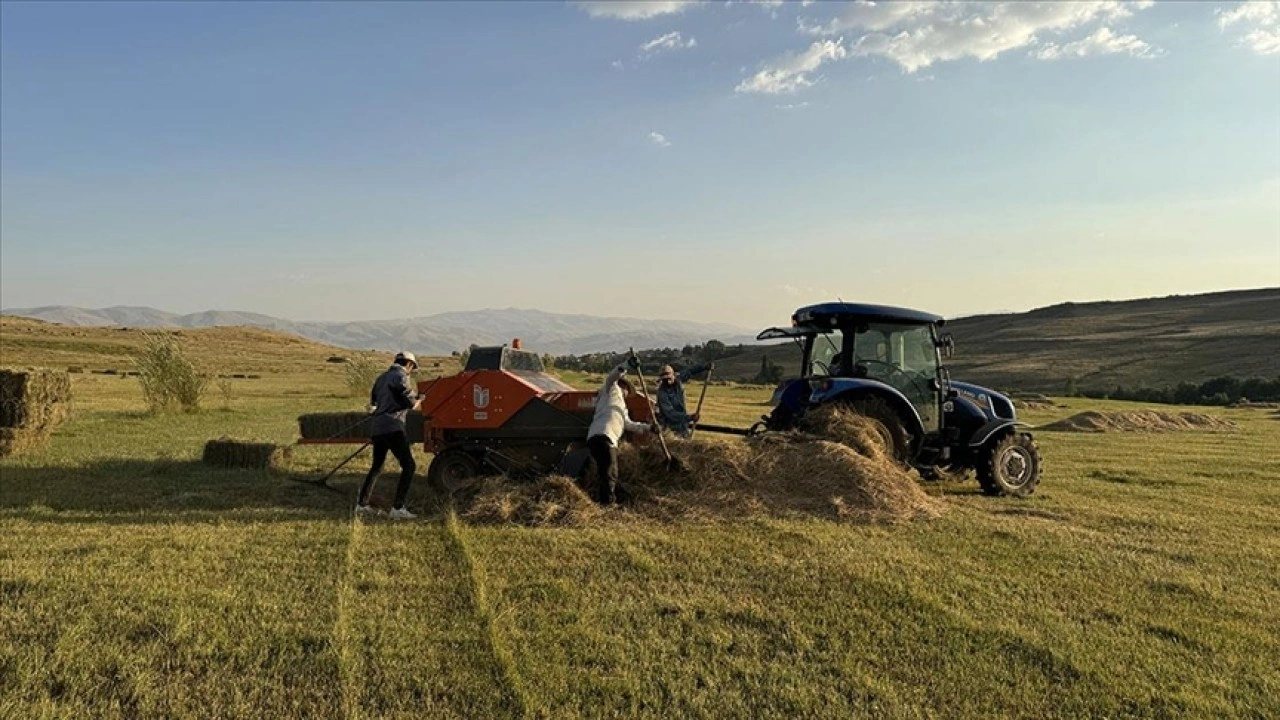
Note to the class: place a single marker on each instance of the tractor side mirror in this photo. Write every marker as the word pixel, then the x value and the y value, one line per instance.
pixel 946 344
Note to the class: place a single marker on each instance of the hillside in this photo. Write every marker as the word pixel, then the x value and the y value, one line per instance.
pixel 1155 342
pixel 27 342
pixel 438 334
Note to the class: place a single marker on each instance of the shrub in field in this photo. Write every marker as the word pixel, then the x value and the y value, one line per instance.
pixel 360 372
pixel 168 377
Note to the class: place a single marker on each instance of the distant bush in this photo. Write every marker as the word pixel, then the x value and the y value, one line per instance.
pixel 1218 391
pixel 167 377
pixel 360 373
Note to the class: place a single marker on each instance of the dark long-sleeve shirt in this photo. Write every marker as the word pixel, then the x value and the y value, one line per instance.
pixel 671 405
pixel 392 397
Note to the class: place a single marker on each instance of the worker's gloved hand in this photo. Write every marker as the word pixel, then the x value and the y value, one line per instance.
pixel 633 362
pixel 695 417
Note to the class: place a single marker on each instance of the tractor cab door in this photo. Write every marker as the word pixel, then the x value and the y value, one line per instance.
pixel 904 357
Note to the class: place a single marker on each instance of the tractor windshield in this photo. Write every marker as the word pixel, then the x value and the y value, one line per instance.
pixel 904 357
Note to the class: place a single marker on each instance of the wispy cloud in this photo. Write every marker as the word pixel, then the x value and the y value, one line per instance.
pixel 659 139
pixel 793 106
pixel 671 41
pixel 1261 19
pixel 1101 42
pixel 633 9
pixel 792 72
pixel 916 35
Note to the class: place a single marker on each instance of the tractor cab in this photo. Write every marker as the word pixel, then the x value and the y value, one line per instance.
pixel 886 363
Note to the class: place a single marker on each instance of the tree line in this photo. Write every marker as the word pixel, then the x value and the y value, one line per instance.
pixel 1223 390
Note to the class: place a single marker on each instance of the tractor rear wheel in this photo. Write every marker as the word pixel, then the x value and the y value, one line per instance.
pixel 1010 466
pixel 453 469
pixel 886 423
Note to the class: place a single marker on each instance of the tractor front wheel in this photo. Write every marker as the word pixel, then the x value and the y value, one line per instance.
pixel 1010 466
pixel 452 470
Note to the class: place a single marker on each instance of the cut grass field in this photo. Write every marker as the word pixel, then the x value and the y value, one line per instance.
pixel 1139 581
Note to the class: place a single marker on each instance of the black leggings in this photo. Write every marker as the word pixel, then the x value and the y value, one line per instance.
pixel 606 457
pixel 398 443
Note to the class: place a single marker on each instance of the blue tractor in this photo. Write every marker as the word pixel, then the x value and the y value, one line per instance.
pixel 886 364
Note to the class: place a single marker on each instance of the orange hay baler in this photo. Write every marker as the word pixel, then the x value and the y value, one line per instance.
pixel 503 413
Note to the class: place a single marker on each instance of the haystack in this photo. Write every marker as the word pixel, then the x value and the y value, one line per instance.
pixel 32 403
pixel 350 426
pixel 1151 421
pixel 794 474
pixel 225 452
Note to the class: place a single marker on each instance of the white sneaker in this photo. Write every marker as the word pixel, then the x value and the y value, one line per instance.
pixel 363 509
pixel 402 514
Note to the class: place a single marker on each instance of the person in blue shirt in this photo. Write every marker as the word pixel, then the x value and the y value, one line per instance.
pixel 672 413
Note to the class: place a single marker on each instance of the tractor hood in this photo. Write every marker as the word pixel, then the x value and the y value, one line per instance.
pixel 994 405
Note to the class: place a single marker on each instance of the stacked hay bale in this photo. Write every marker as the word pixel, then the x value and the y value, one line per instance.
pixel 32 402
pixel 350 426
pixel 228 453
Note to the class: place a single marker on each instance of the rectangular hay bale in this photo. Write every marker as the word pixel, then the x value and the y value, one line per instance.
pixel 34 397
pixel 228 453
pixel 351 426
pixel 16 440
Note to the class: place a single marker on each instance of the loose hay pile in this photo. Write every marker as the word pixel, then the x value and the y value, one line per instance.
pixel 228 453
pixel 1139 421
pixel 32 403
pixel 350 426
pixel 776 475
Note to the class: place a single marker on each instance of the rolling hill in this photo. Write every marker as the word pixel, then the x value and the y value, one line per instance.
pixel 1154 342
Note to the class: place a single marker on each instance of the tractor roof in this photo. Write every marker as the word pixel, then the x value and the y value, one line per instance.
pixel 835 313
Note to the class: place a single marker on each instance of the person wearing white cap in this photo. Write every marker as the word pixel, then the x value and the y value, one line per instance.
pixel 392 398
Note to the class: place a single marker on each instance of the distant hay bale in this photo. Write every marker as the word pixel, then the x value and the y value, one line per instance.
pixel 32 402
pixel 228 453
pixel 350 426
pixel 1151 421
pixel 336 359
pixel 776 475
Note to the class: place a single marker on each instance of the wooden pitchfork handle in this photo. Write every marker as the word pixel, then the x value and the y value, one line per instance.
pixel 645 391
pixel 701 396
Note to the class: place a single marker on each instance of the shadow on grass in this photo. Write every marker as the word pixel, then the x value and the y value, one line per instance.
pixel 168 491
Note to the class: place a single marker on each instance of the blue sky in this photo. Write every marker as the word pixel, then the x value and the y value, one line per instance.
pixel 723 161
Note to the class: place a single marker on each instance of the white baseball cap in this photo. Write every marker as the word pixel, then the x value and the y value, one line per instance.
pixel 406 355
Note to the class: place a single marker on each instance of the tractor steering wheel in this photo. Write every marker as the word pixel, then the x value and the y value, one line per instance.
pixel 894 369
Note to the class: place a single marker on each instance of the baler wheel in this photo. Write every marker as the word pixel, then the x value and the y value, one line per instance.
pixel 453 470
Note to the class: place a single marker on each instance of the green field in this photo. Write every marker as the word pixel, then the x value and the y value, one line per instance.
pixel 1139 581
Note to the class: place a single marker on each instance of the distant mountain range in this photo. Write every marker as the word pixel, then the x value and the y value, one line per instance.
pixel 439 334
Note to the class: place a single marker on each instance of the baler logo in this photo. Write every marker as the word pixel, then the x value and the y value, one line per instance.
pixel 479 396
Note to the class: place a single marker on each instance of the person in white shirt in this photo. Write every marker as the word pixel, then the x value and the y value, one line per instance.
pixel 611 420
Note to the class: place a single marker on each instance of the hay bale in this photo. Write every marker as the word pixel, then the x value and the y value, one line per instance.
pixel 36 398
pixel 553 501
pixel 351 426
pixel 16 440
pixel 225 452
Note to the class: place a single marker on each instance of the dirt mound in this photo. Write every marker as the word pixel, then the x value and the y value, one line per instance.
pixel 776 475
pixel 1138 421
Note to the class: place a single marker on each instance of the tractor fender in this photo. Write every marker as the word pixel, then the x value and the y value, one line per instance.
pixel 986 432
pixel 847 389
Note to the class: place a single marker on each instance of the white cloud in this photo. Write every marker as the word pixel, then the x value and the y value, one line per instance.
pixel 616 64
pixel 632 9
pixel 1102 42
pixel 791 72
pixel 670 41
pixel 659 139
pixel 916 35
pixel 793 106
pixel 1261 18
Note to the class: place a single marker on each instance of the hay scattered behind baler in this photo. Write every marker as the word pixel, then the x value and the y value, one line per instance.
pixel 227 453
pixel 838 470
pixel 32 402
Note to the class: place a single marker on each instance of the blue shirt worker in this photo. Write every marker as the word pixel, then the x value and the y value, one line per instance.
pixel 672 414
